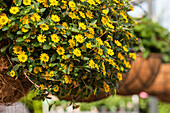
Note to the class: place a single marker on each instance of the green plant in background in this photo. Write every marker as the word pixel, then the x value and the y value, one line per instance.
pixel 152 38
pixel 34 106
pixel 110 103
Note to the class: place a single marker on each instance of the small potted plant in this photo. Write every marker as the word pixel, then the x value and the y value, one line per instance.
pixel 153 45
pixel 74 49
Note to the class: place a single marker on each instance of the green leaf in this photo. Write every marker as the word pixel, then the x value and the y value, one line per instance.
pixel 93 22
pixel 54 57
pixel 5 28
pixel 16 67
pixel 41 22
pixel 19 32
pixel 86 58
pixel 3 49
pixel 10 35
pixel 60 26
pixel 30 69
pixel 67 70
pixel 75 30
pixel 46 47
pixel 20 39
pixel 27 26
pixel 15 59
pixel 42 10
pixel 68 55
pixel 18 2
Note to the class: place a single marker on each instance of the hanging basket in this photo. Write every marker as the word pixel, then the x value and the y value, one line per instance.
pixel 141 75
pixel 11 89
pixel 161 86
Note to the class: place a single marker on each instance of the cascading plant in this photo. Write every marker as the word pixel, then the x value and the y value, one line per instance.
pixel 68 47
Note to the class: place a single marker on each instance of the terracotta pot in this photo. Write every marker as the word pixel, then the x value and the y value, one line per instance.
pixel 161 86
pixel 141 75
pixel 11 89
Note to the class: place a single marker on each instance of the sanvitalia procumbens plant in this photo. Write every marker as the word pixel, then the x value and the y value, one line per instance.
pixel 68 47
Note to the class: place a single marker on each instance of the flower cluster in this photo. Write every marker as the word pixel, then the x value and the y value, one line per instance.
pixel 67 45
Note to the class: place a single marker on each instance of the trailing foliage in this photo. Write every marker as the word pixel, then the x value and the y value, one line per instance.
pixel 68 47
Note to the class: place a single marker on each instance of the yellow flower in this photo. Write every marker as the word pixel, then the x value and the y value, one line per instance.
pixel 77 52
pixel 44 57
pixel 125 49
pixel 99 40
pixel 132 55
pixel 25 20
pixel 22 57
pixel 127 64
pixel 119 76
pixel 42 87
pixel 56 89
pixel 3 19
pixel 27 2
pixel 107 44
pixel 30 49
pixel 65 25
pixel 112 62
pixel 88 45
pixel 91 2
pixel 24 30
pixel 120 56
pixel 54 2
pixel 105 12
pixel 98 1
pixel 64 57
pixel 92 64
pixel 71 4
pixel 71 43
pixel 41 38
pixel 60 51
pixel 82 25
pixel 117 43
pixel 100 51
pixel 55 38
pixel 17 49
pixel 82 14
pixel 110 38
pixel 104 20
pixel 12 73
pixel 37 69
pixel 97 66
pixel 14 10
pixel 91 30
pixel 67 79
pixel 106 88
pixel 110 52
pixel 35 17
pixel 51 74
pixel 90 36
pixel 79 38
pixel 44 27
pixel 55 18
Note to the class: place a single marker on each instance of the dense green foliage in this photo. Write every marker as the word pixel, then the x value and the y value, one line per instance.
pixel 153 38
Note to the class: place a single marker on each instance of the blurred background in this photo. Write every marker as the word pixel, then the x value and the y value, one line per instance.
pixel 149 88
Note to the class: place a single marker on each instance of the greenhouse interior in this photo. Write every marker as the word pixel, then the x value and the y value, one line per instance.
pixel 84 56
